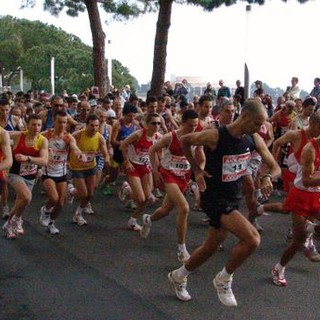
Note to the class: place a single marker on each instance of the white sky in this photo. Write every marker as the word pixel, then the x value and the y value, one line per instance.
pixel 281 37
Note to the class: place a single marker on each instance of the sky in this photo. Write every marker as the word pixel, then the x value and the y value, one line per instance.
pixel 277 40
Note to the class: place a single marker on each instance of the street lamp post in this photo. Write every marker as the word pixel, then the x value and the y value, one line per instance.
pixel 109 63
pixel 246 43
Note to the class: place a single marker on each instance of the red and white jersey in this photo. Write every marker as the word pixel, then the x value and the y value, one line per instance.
pixel 138 152
pixel 173 158
pixel 298 180
pixel 58 148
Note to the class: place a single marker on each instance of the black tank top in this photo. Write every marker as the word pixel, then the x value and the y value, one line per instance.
pixel 227 164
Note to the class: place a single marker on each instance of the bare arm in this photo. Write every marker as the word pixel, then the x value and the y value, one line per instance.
pixel 289 136
pixel 307 161
pixel 135 136
pixel 6 161
pixel 207 138
pixel 42 160
pixel 114 135
pixel 270 135
pixel 103 149
pixel 274 169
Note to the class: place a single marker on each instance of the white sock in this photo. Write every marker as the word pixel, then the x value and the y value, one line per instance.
pixel 132 220
pixel 181 273
pixel 225 275
pixel 182 247
pixel 310 227
pixel 79 210
pixel 279 267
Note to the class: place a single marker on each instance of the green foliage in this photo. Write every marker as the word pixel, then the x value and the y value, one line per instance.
pixel 31 45
pixel 121 76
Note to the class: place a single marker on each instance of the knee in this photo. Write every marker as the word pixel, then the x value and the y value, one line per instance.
pixel 184 210
pixel 25 199
pixel 254 241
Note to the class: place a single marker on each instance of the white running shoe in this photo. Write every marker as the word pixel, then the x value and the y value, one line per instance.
pixel 19 229
pixel 131 204
pixel 183 256
pixel 134 226
pixel 70 193
pixel 278 277
pixel 157 193
pixel 52 229
pixel 124 191
pixel 44 217
pixel 180 288
pixel 224 291
pixel 9 229
pixel 88 209
pixel 146 226
pixel 79 220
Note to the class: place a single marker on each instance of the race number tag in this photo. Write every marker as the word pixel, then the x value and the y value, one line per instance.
pixel 28 169
pixel 179 165
pixel 234 166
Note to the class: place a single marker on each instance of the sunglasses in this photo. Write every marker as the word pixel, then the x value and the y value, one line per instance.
pixel 155 123
pixel 58 105
pixel 86 110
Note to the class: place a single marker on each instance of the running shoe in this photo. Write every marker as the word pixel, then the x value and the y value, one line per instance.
pixel 5 212
pixel 310 251
pixel 19 229
pixel 183 256
pixel 88 209
pixel 316 235
pixel 9 229
pixel 124 191
pixel 52 229
pixel 44 217
pixel 131 204
pixel 134 226
pixel 224 291
pixel 180 288
pixel 79 220
pixel 157 193
pixel 70 193
pixel 146 226
pixel 278 277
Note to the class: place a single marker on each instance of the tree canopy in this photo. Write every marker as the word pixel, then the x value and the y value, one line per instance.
pixel 30 45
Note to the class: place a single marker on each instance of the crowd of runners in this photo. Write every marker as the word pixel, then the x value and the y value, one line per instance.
pixel 217 147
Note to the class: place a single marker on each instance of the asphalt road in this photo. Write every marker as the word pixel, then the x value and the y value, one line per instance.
pixel 103 271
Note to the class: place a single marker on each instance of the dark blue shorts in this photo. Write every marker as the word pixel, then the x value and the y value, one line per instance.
pixel 214 210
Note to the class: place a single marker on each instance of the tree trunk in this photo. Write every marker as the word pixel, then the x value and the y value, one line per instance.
pixel 160 47
pixel 98 53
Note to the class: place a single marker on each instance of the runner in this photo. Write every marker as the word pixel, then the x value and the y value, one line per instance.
pixel 54 175
pixel 90 142
pixel 303 202
pixel 227 154
pixel 173 173
pixel 135 150
pixel 30 150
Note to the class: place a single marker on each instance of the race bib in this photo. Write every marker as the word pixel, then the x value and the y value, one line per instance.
pixel 28 169
pixel 234 166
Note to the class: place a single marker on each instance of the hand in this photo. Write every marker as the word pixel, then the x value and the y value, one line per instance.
pixel 199 177
pixel 158 180
pixel 266 186
pixel 82 157
pixel 20 157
